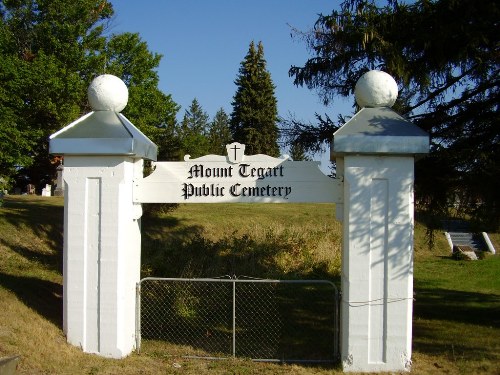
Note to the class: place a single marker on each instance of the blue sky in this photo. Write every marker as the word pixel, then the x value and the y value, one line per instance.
pixel 204 42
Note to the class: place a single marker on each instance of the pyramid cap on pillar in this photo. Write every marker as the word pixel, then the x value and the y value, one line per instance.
pixel 104 131
pixel 376 128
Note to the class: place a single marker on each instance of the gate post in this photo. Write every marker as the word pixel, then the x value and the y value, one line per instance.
pixel 103 154
pixel 375 153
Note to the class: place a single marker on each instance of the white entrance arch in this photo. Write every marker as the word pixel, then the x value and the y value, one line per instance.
pixel 104 188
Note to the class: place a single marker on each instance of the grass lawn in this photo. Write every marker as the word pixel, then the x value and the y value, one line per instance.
pixel 457 314
pixel 456 309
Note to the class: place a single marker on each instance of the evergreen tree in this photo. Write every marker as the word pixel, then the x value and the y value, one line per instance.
pixel 193 131
pixel 444 54
pixel 297 152
pixel 255 115
pixel 220 133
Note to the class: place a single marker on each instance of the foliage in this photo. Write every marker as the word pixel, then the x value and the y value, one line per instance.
pixel 312 137
pixel 193 131
pixel 255 114
pixel 220 133
pixel 50 51
pixel 444 55
pixel 149 109
pixel 45 62
pixel 297 152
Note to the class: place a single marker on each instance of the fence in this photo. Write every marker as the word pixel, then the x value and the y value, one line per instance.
pixel 266 320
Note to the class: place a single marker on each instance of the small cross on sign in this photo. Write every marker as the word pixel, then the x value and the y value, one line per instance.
pixel 235 148
pixel 235 152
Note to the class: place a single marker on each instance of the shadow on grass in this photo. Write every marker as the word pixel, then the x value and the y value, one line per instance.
pixel 49 260
pixel 457 306
pixel 457 324
pixel 45 297
pixel 37 236
pixel 44 218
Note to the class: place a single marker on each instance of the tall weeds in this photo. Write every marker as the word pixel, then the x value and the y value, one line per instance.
pixel 260 250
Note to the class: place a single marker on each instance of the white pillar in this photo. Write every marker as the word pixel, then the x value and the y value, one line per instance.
pixel 102 242
pixel 103 154
pixel 377 263
pixel 375 153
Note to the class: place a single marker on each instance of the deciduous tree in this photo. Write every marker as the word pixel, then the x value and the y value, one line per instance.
pixel 50 51
pixel 127 56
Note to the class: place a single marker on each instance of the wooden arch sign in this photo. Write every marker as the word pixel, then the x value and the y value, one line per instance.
pixel 237 178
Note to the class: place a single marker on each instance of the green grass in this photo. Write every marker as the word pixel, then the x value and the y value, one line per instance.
pixel 456 309
pixel 457 313
pixel 272 241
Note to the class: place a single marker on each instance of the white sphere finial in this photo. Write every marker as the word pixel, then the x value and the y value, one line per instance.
pixel 376 89
pixel 107 93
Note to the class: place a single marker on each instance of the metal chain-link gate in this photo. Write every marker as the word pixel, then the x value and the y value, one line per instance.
pixel 269 320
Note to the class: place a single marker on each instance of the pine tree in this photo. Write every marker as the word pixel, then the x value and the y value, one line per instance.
pixel 220 134
pixel 194 130
pixel 255 114
pixel 444 55
pixel 297 152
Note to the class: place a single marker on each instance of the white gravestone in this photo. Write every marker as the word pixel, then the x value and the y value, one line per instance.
pixel 47 191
